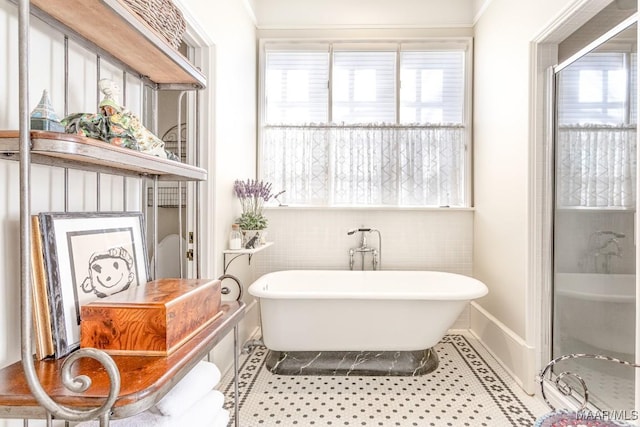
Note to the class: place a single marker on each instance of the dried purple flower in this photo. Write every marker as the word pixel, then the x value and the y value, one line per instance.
pixel 252 194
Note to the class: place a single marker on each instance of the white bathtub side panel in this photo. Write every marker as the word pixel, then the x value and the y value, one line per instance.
pixel 356 325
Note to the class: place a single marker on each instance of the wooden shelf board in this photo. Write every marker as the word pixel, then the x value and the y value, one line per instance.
pixel 78 152
pixel 114 27
pixel 145 379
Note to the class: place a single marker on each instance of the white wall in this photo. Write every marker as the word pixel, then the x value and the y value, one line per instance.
pixel 503 119
pixel 229 133
pixel 412 239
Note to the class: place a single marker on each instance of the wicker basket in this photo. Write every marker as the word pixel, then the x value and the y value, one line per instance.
pixel 163 16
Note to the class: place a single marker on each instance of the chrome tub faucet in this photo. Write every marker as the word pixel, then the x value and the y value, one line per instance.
pixel 602 246
pixel 363 249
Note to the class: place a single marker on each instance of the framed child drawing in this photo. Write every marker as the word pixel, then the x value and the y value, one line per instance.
pixel 88 255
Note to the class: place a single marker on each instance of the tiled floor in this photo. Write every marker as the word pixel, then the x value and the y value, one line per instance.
pixel 469 388
pixel 611 386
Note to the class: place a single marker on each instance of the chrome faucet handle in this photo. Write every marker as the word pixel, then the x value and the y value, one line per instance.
pixel 363 242
pixel 374 262
pixel 351 254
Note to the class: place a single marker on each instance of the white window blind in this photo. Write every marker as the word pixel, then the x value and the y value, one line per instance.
pixel 338 129
pixel 596 90
pixel 296 87
pixel 432 87
pixel 364 87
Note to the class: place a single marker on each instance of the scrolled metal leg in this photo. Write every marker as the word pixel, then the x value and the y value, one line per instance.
pixel 79 383
pixel 104 420
pixel 227 290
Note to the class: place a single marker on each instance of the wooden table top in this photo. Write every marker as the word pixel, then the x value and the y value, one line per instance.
pixel 144 379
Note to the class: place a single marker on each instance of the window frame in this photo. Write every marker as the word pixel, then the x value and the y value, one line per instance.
pixel 463 43
pixel 626 105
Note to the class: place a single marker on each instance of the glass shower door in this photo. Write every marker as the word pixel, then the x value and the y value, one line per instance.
pixel 594 307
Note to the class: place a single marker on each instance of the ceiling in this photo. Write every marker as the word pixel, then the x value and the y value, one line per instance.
pixel 365 13
pixel 374 14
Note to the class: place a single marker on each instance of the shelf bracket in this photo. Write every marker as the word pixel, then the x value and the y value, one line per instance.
pixel 240 252
pixel 227 264
pixel 233 255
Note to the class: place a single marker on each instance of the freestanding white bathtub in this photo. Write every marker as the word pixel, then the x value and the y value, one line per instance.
pixel 596 309
pixel 312 310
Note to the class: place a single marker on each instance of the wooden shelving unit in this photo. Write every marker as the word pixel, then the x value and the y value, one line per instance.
pixel 112 29
pixel 145 379
pixel 78 152
pixel 36 388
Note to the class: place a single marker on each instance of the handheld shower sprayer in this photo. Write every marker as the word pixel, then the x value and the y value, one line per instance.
pixel 355 230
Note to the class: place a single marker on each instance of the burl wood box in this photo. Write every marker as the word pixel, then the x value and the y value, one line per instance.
pixel 153 320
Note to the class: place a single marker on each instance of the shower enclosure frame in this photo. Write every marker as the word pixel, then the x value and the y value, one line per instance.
pixel 544 54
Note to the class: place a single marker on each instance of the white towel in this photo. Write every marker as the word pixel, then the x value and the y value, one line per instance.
pixel 202 413
pixel 206 412
pixel 197 383
pixel 222 420
pixel 143 419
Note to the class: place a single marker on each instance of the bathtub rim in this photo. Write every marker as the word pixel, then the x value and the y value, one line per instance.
pixel 581 286
pixel 473 289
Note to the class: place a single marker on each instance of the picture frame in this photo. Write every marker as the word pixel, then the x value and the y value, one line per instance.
pixel 39 295
pixel 88 255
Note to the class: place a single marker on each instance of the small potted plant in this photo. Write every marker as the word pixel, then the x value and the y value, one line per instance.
pixel 253 194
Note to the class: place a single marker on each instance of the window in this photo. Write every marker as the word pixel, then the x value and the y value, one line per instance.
pixel 595 139
pixel 432 87
pixel 596 90
pixel 296 87
pixel 364 86
pixel 366 124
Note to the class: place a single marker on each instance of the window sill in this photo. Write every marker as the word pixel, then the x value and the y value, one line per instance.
pixel 369 208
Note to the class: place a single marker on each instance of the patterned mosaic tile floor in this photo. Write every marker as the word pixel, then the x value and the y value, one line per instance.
pixel 469 388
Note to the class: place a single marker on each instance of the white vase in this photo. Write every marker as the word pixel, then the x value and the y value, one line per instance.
pixel 247 235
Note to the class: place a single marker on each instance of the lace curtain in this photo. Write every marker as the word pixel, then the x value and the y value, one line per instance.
pixel 596 166
pixel 391 165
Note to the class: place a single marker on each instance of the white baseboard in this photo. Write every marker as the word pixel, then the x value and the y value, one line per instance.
pixel 509 349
